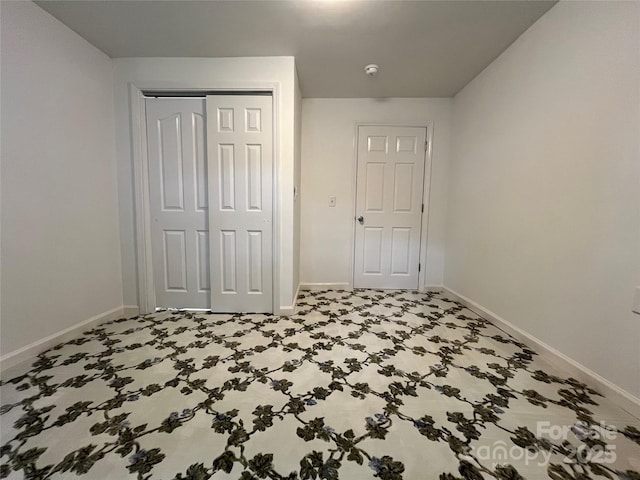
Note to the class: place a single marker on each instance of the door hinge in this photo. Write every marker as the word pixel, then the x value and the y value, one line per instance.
pixel 423 208
pixel 426 145
pixel 419 266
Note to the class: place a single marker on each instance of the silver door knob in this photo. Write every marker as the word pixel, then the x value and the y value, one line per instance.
pixel 361 220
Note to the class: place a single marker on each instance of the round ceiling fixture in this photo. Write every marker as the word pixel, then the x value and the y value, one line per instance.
pixel 371 69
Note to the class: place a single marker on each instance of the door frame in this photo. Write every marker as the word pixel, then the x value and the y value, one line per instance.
pixel 142 219
pixel 426 189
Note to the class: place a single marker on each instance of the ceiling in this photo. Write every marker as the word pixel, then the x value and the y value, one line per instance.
pixel 424 48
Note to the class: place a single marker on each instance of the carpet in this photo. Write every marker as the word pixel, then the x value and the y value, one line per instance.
pixel 356 385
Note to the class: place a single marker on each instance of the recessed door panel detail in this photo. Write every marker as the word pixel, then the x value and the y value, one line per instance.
pixel 226 177
pixel 178 201
pixel 253 120
pixel 406 144
pixel 377 144
pixel 255 261
pixel 254 177
pixel 400 251
pixel 375 187
pixel 170 157
pixel 175 260
pixel 202 250
pixel 228 261
pixel 390 175
pixel 373 250
pixel 225 120
pixel 403 187
pixel 200 161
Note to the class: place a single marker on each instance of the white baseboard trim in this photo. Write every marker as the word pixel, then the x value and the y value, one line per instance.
pixel 290 310
pixel 295 298
pixel 348 286
pixel 624 399
pixel 432 288
pixel 33 349
pixel 326 286
pixel 130 310
pixel 287 311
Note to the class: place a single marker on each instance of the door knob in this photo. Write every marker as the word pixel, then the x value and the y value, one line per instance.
pixel 361 220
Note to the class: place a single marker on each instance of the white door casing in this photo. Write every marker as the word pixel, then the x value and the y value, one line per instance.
pixel 240 152
pixel 389 198
pixel 176 142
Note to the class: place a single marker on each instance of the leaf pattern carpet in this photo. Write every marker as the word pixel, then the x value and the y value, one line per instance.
pixel 357 384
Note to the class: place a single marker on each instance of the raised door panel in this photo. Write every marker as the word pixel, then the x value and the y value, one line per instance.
pixel 377 143
pixel 169 136
pixel 374 195
pixel 200 160
pixel 228 269
pixel 253 120
pixel 254 177
pixel 175 260
pixel 400 251
pixel 373 250
pixel 407 144
pixel 202 249
pixel 227 176
pixel 403 187
pixel 255 264
pixel 225 120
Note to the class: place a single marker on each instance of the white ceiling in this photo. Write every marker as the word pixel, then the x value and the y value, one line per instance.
pixel 424 48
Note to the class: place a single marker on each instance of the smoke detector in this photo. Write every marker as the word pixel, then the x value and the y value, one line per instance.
pixel 371 69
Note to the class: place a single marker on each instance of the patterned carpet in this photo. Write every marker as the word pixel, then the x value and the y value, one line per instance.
pixel 357 385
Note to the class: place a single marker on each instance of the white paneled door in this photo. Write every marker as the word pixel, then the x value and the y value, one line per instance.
pixel 390 177
pixel 176 142
pixel 239 144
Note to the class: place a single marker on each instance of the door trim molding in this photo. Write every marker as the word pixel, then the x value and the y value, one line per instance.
pixel 142 219
pixel 426 190
pixel 144 261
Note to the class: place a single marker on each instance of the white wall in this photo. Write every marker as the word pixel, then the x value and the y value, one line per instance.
pixel 209 73
pixel 60 246
pixel 328 168
pixel 544 205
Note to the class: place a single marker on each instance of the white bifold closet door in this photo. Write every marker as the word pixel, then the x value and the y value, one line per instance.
pixel 176 143
pixel 239 145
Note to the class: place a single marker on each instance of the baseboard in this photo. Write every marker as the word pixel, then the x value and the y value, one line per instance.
pixel 347 286
pixel 624 399
pixel 33 349
pixel 130 310
pixel 286 311
pixel 289 310
pixel 432 288
pixel 326 286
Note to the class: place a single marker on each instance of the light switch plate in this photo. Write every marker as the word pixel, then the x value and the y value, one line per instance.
pixel 332 201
